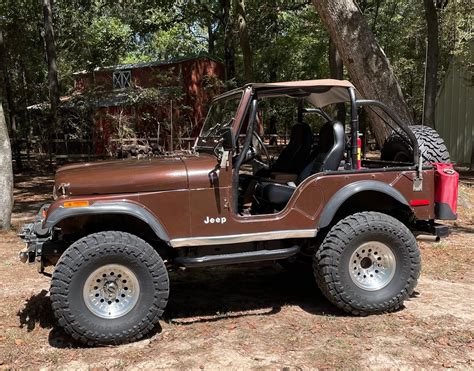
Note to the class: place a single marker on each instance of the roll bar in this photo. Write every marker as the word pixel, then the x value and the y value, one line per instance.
pixel 355 104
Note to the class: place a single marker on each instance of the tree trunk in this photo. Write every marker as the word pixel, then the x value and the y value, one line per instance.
pixel 229 51
pixel 53 84
pixel 364 59
pixel 6 175
pixel 11 115
pixel 244 41
pixel 6 83
pixel 211 41
pixel 432 59
pixel 336 69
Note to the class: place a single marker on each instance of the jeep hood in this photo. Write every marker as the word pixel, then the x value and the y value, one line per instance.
pixel 125 176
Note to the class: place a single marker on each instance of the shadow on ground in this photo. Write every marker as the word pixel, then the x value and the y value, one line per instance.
pixel 207 295
pixel 457 228
pixel 31 192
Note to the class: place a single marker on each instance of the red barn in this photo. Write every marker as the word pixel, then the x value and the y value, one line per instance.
pixel 158 101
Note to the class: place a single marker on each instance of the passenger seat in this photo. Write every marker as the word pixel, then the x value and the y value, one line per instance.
pixel 295 155
pixel 332 146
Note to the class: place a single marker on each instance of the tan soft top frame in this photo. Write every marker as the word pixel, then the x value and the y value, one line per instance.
pixel 321 93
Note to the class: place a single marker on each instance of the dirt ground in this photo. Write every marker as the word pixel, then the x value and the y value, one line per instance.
pixel 253 315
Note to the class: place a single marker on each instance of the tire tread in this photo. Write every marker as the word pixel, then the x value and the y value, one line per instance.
pixel 92 246
pixel 326 261
pixel 433 146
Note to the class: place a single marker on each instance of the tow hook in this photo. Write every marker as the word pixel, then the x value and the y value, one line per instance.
pixel 28 255
pixel 24 256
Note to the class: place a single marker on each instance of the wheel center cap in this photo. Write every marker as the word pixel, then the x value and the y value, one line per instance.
pixel 366 263
pixel 110 289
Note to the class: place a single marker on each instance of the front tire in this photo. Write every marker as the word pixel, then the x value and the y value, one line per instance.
pixel 109 288
pixel 368 263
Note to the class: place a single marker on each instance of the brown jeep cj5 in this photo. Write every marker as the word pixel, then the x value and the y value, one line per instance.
pixel 115 227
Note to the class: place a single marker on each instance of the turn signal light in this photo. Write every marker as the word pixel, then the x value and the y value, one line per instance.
pixel 76 204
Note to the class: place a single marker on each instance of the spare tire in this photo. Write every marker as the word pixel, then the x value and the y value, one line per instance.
pixel 431 145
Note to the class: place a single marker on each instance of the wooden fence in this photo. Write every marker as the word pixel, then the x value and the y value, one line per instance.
pixel 35 150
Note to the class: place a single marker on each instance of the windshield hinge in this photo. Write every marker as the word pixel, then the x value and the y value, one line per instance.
pixel 224 159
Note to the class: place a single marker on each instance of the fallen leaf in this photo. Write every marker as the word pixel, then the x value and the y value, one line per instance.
pixel 443 341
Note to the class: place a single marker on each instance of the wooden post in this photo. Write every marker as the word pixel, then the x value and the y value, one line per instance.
pixel 171 124
pixel 158 135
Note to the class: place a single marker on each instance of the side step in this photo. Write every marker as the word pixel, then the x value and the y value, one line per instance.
pixel 241 257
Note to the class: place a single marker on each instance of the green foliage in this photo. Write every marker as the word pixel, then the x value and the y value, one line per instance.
pixel 290 45
pixel 456 31
pixel 107 40
pixel 174 42
pixel 287 39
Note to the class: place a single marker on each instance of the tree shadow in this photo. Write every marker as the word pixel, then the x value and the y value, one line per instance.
pixel 37 312
pixel 31 191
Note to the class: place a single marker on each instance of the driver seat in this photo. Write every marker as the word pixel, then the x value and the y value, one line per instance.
pixel 330 154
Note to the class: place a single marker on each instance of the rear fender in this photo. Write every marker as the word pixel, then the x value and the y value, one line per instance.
pixel 341 196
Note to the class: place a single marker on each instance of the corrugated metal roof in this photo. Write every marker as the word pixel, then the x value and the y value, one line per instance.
pixel 103 99
pixel 455 112
pixel 129 66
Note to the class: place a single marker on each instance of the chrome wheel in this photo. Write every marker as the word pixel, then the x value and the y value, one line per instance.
pixel 111 291
pixel 372 266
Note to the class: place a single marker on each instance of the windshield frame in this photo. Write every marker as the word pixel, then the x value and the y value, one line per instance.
pixel 233 94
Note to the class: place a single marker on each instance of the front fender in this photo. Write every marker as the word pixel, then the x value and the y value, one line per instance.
pixel 115 207
pixel 352 189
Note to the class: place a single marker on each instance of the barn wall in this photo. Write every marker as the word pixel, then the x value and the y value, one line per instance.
pixel 455 113
pixel 188 75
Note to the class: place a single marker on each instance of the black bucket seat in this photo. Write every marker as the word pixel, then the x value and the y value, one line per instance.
pixel 329 156
pixel 295 155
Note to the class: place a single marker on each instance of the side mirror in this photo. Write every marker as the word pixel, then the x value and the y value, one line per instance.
pixel 227 139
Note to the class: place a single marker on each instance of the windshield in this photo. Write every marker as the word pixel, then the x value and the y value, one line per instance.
pixel 221 115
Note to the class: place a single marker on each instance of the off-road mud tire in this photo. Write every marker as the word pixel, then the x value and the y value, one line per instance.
pixel 90 253
pixel 429 141
pixel 331 263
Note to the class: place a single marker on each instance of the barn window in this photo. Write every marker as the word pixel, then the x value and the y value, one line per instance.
pixel 122 79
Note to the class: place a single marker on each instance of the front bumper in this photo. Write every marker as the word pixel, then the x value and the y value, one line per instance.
pixel 34 236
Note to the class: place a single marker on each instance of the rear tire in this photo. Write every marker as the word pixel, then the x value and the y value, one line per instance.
pixel 109 288
pixel 431 145
pixel 368 263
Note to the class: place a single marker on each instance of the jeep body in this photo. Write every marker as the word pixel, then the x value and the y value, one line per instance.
pixel 209 207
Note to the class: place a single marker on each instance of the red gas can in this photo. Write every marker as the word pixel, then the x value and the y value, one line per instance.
pixel 446 191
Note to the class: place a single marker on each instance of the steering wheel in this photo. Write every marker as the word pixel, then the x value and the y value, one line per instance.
pixel 255 155
pixel 258 155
